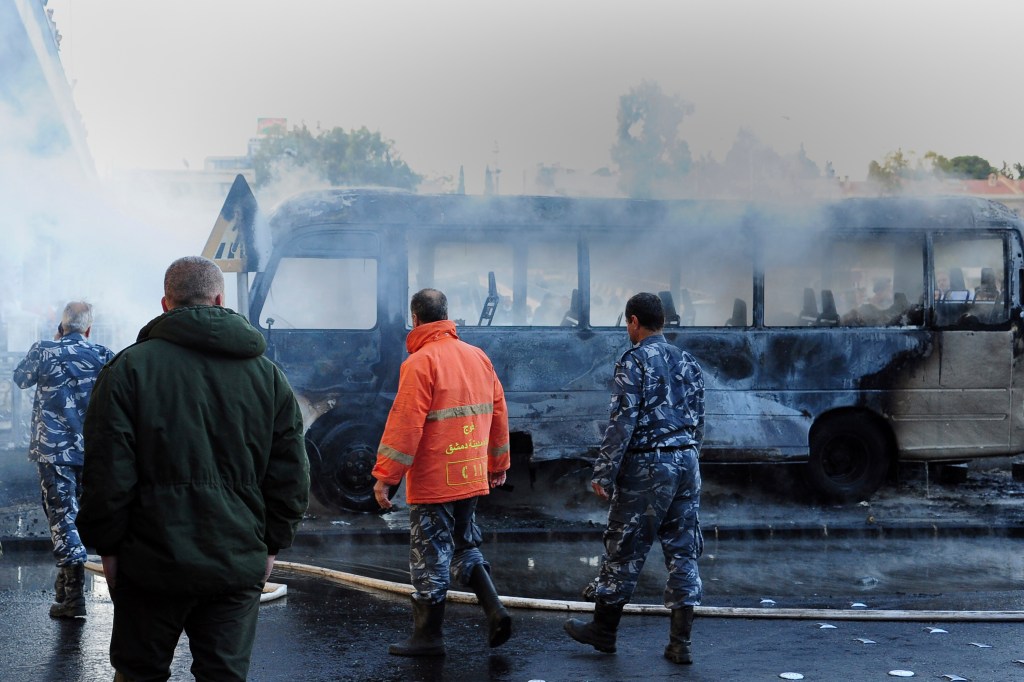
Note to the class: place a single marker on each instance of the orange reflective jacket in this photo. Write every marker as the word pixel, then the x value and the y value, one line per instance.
pixel 448 426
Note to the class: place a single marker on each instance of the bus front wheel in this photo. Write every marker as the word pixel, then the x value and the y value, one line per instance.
pixel 340 463
pixel 849 458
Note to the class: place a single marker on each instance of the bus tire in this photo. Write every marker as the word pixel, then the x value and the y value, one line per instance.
pixel 341 459
pixel 849 458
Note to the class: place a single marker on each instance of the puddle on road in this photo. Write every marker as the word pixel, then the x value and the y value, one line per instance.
pixel 985 573
pixel 932 573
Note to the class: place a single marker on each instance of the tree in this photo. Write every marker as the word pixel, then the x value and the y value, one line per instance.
pixel 973 167
pixel 340 158
pixel 650 155
pixel 894 170
pixel 1014 172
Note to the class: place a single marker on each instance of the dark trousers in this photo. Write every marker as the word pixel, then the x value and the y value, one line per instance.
pixel 147 626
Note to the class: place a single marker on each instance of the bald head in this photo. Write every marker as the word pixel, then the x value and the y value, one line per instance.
pixel 193 280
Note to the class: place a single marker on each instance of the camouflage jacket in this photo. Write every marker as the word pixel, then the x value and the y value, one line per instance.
pixel 63 373
pixel 658 402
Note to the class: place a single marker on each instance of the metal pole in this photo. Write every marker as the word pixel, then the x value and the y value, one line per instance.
pixel 242 281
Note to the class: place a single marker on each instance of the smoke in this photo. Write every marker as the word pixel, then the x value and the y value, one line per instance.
pixel 66 234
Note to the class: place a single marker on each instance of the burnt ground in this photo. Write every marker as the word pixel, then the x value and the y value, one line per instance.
pixel 763 499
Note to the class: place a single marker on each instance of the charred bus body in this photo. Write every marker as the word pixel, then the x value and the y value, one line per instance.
pixel 846 335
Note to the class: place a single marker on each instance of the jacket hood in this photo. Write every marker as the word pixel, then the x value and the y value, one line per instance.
pixel 427 332
pixel 207 328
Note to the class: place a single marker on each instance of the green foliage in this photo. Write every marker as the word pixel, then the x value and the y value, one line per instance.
pixel 648 150
pixel 898 167
pixel 894 170
pixel 973 167
pixel 353 158
pixel 940 164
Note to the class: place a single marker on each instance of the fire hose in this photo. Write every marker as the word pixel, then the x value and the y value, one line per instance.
pixel 351 579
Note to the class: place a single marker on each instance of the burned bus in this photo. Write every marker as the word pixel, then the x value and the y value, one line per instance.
pixel 844 336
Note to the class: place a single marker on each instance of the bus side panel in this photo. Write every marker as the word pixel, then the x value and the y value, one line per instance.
pixel 968 409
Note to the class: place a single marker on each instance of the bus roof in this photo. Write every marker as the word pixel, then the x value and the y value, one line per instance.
pixel 381 206
pixel 375 206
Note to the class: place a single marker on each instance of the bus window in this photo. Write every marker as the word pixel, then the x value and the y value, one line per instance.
pixel 534 280
pixel 709 282
pixel 846 280
pixel 345 298
pixel 969 285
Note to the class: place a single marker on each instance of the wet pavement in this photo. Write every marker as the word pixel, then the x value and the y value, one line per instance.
pixel 918 544
pixel 321 631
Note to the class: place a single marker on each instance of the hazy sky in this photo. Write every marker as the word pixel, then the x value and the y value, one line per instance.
pixel 515 83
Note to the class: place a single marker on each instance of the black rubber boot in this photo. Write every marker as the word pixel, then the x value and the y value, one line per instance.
pixel 600 633
pixel 58 586
pixel 73 605
pixel 427 638
pixel 499 623
pixel 678 649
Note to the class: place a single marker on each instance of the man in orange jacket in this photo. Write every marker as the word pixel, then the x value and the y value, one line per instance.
pixel 447 433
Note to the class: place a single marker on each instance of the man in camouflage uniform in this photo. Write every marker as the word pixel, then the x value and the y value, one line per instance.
pixel 648 468
pixel 63 372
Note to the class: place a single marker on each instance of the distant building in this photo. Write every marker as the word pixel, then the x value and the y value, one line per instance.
pixel 996 187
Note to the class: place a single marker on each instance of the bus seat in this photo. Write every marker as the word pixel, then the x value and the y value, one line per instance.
pixel 689 317
pixel 958 291
pixel 898 311
pixel 987 290
pixel 671 316
pixel 572 316
pixel 739 314
pixel 829 316
pixel 809 313
pixel 491 303
pixel 957 296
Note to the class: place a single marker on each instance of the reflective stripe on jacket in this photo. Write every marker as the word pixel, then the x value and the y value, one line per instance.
pixel 448 426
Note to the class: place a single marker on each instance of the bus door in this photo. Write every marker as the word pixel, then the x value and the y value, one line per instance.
pixel 971 409
pixel 323 307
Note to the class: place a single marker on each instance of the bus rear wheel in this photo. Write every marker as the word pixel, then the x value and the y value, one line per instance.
pixel 849 458
pixel 340 463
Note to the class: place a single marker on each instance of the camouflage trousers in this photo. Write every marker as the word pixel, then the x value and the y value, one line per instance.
pixel 444 542
pixel 61 486
pixel 656 495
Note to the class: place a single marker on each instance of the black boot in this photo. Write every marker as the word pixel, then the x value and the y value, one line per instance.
pixel 678 649
pixel 499 623
pixel 427 638
pixel 73 605
pixel 58 586
pixel 600 633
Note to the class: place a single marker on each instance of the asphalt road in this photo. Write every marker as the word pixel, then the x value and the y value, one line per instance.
pixel 322 631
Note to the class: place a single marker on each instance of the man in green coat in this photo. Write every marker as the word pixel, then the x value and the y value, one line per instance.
pixel 196 475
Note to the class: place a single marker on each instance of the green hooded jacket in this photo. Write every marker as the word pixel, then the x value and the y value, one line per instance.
pixel 195 463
